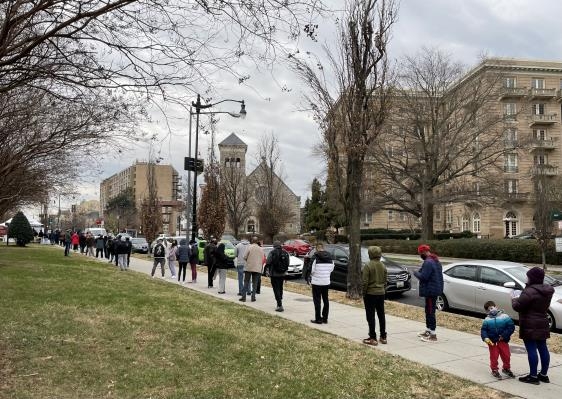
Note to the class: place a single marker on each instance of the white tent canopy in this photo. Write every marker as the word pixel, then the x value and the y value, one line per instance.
pixel 34 223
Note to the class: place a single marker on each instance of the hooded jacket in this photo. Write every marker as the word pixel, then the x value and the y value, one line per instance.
pixel 497 325
pixel 254 258
pixel 241 249
pixel 532 305
pixel 183 251
pixel 374 274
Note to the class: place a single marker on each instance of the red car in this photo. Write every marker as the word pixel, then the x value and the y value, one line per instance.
pixel 296 247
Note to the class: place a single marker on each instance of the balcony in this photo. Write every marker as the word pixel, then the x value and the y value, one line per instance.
pixel 543 145
pixel 545 119
pixel 542 93
pixel 516 197
pixel 510 168
pixel 513 92
pixel 510 117
pixel 546 170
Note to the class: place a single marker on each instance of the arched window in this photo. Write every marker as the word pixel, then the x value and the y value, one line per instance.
pixel 476 222
pixel 251 226
pixel 511 224
pixel 237 162
pixel 227 162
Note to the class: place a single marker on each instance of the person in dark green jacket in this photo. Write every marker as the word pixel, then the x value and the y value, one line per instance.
pixel 374 288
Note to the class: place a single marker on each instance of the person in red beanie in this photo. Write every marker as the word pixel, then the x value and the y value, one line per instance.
pixel 430 276
pixel 534 328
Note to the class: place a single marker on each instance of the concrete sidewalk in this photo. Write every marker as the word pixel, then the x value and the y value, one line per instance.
pixel 457 353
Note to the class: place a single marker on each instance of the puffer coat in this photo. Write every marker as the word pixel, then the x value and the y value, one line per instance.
pixel 532 305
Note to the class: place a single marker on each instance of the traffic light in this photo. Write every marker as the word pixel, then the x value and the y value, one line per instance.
pixel 189 164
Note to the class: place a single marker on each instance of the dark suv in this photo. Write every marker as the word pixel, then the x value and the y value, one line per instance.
pixel 398 277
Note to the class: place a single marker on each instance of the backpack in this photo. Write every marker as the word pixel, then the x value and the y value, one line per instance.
pixel 280 261
pixel 194 251
pixel 159 251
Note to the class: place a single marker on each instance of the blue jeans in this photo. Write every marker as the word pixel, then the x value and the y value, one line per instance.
pixel 532 347
pixel 240 270
pixel 66 248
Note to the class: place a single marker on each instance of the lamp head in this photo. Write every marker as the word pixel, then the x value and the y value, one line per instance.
pixel 242 110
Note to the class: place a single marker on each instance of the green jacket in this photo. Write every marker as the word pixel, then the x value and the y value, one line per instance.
pixel 374 278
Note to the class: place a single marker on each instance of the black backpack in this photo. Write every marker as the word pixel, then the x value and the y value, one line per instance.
pixel 194 252
pixel 280 261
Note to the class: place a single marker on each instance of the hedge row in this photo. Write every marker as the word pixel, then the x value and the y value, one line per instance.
pixel 526 251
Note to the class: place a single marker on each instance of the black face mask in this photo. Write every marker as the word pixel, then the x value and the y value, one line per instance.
pixel 423 256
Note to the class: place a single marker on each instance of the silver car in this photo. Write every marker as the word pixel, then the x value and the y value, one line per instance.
pixel 469 285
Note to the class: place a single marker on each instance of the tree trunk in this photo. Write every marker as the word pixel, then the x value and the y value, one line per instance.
pixel 354 278
pixel 427 215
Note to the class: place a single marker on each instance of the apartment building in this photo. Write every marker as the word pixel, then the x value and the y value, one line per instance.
pixel 529 101
pixel 168 188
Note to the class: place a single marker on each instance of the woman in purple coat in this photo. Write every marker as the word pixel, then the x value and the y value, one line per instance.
pixel 534 328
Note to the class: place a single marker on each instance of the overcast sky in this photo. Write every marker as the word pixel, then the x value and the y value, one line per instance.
pixel 528 29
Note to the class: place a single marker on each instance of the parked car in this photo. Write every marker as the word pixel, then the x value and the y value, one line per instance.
pixel 469 284
pixel 296 247
pixel 139 245
pixel 295 264
pixel 95 231
pixel 398 280
pixel 229 249
pixel 231 238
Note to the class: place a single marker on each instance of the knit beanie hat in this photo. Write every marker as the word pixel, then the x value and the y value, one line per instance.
pixel 535 275
pixel 423 248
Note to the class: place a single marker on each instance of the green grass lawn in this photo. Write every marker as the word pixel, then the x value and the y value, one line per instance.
pixel 75 328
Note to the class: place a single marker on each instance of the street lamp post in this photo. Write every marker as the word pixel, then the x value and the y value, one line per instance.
pixel 198 107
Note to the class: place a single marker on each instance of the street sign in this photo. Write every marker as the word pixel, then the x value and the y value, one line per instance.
pixel 189 164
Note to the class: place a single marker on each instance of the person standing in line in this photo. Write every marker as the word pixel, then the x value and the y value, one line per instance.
pixel 320 271
pixel 193 259
pixel 159 257
pixel 496 332
pixel 534 328
pixel 129 246
pixel 182 256
pixel 67 240
pixel 210 261
pixel 105 251
pixel 99 246
pixel 430 276
pixel 75 241
pixel 222 263
pixel 116 242
pixel 122 254
pixel 374 285
pixel 278 264
pixel 254 264
pixel 172 257
pixel 109 248
pixel 241 249
pixel 90 244
pixel 82 242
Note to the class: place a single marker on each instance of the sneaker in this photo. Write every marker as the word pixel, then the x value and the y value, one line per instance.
pixel 509 373
pixel 528 379
pixel 426 333
pixel 544 378
pixel 430 338
pixel 243 299
pixel 173 277
pixel 496 374
pixel 382 341
pixel 325 321
pixel 316 321
pixel 253 299
pixel 279 309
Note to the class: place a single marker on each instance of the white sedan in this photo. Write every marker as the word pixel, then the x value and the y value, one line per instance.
pixel 295 264
pixel 469 285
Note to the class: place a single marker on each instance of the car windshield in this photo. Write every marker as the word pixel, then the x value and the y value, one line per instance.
pixel 520 273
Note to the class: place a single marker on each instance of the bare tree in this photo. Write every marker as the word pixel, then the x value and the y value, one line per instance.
pixel 548 199
pixel 236 194
pixel 268 189
pixel 211 215
pixel 443 144
pixel 351 119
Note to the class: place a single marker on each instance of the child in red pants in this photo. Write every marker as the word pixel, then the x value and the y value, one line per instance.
pixel 496 332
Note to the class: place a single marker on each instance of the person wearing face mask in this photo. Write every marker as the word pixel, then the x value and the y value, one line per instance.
pixel 430 276
pixel 534 328
pixel 496 331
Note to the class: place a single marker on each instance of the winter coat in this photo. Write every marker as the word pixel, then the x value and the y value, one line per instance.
pixel 99 243
pixel 82 240
pixel 241 249
pixel 172 254
pixel 532 305
pixel 497 326
pixel 159 248
pixel 275 256
pixel 374 278
pixel 209 253
pixel 194 253
pixel 221 260
pixel 322 268
pixel 90 241
pixel 121 247
pixel 75 239
pixel 254 259
pixel 182 254
pixel 431 277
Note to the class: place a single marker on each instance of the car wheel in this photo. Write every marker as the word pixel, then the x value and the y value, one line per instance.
pixel 441 303
pixel 551 321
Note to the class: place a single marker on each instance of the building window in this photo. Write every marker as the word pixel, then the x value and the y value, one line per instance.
pixel 537 83
pixel 538 109
pixel 465 223
pixel 511 186
pixel 510 109
pixel 476 222
pixel 541 159
pixel 390 216
pixel 511 135
pixel 510 162
pixel 437 214
pixel 511 224
pixel 510 82
pixel 402 216
pixel 251 226
pixel 237 162
pixel 367 218
pixel 227 162
pixel 449 216
pixel 458 221
pixel 539 134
